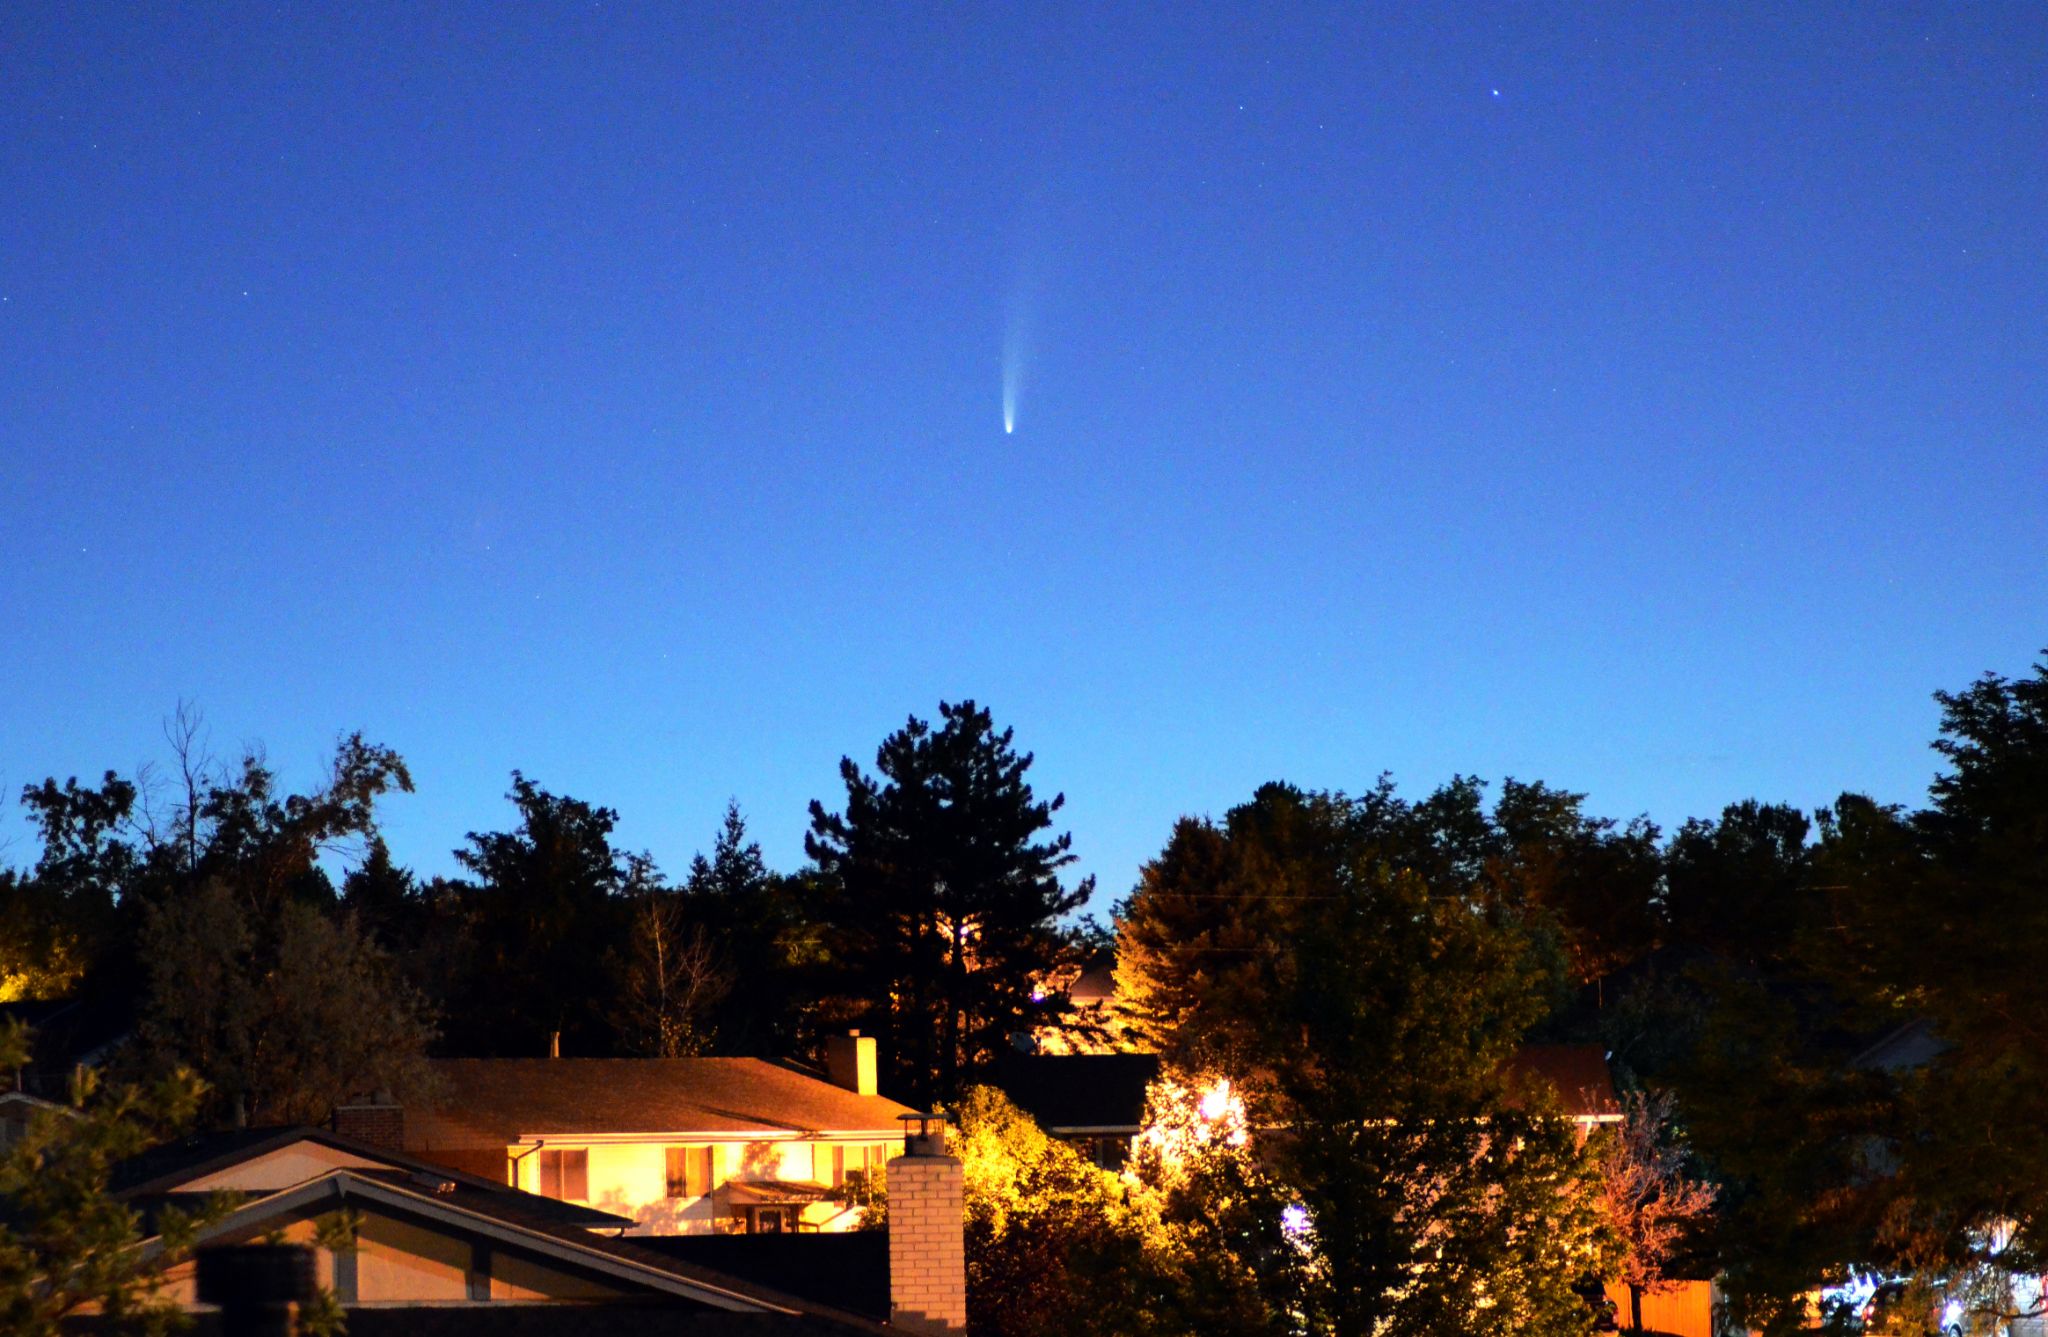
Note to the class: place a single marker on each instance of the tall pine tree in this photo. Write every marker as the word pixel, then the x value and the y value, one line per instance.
pixel 941 895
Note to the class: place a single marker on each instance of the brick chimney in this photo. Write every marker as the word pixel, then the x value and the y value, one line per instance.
pixel 927 1235
pixel 850 1062
pixel 378 1121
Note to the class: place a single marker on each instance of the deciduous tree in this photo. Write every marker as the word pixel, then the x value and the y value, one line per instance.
pixel 68 1246
pixel 285 1018
pixel 546 914
pixel 1370 1016
pixel 1651 1196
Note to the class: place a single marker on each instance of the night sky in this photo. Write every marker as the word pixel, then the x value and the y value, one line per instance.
pixel 1648 399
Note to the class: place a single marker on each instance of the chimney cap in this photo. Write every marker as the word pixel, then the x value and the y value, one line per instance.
pixel 927 1140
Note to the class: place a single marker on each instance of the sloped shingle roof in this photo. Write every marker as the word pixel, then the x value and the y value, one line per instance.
pixel 1577 1073
pixel 499 1100
pixel 1066 1092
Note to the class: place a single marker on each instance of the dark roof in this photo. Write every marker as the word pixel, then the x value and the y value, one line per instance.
pixel 194 1155
pixel 1066 1092
pixel 508 1319
pixel 1076 1092
pixel 1913 1045
pixel 1577 1073
pixel 154 1176
pixel 501 1099
pixel 655 1270
pixel 1096 984
pixel 848 1271
pixel 66 1032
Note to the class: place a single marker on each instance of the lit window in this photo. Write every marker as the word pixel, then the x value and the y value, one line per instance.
pixel 565 1174
pixel 689 1172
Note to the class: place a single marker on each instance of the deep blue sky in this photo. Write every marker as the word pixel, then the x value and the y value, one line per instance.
pixel 1652 400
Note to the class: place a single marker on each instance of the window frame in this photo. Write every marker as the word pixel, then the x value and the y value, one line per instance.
pixel 563 1169
pixel 695 1163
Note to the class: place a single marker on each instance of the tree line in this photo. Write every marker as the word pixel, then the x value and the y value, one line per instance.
pixel 1827 1024
pixel 201 904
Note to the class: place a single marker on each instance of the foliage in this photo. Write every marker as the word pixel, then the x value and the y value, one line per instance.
pixel 1371 1016
pixel 267 845
pixel 1055 1245
pixel 545 915
pixel 287 1017
pixel 762 941
pixel 673 979
pixel 1189 1118
pixel 67 1245
pixel 1936 918
pixel 1913 1158
pixel 1649 1194
pixel 1739 887
pixel 940 896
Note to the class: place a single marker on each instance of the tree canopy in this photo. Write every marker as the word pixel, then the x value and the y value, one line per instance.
pixel 941 895
pixel 1371 1015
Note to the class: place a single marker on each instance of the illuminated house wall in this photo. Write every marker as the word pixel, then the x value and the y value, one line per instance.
pixel 678 1146
pixel 757 1185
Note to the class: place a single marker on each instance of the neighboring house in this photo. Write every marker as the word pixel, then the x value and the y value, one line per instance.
pixel 679 1146
pixel 17 1109
pixel 1902 1049
pixel 438 1251
pixel 66 1034
pixel 1097 1101
pixel 1090 1022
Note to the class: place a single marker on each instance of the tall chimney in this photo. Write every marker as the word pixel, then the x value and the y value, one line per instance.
pixel 850 1062
pixel 378 1121
pixel 927 1235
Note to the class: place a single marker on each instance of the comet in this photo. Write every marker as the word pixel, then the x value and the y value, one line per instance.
pixel 1017 322
pixel 1015 351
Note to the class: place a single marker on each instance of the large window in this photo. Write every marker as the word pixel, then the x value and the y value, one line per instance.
pixel 689 1172
pixel 565 1174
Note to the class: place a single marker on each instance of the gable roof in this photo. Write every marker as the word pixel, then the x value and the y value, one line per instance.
pixel 174 1168
pixel 640 1271
pixel 30 1104
pixel 501 1100
pixel 1578 1074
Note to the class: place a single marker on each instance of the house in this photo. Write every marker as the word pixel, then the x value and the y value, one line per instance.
pixel 1097 1101
pixel 676 1146
pixel 438 1251
pixel 18 1109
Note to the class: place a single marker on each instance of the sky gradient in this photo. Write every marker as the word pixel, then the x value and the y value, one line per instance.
pixel 1650 400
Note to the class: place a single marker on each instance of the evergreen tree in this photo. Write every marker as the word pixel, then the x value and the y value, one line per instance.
pixel 763 946
pixel 942 896
pixel 384 898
